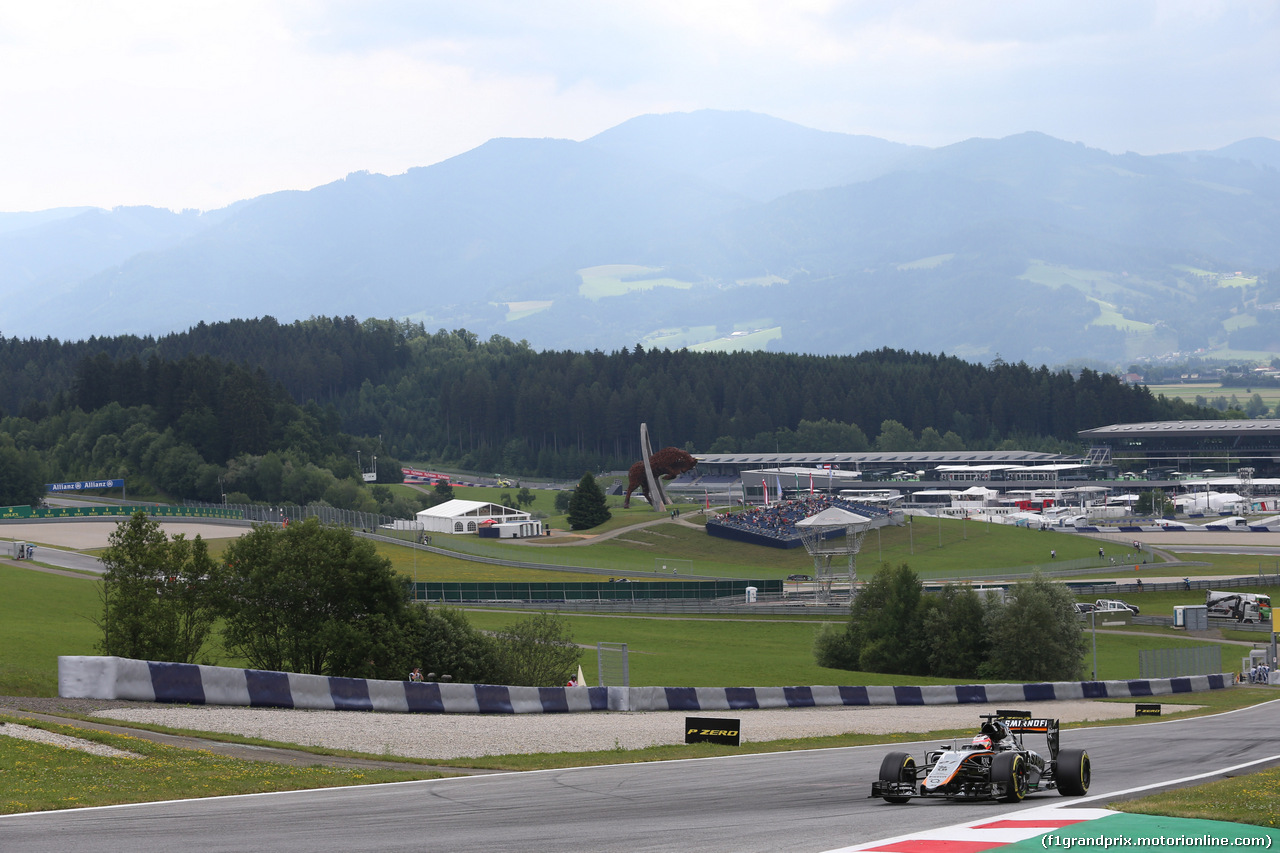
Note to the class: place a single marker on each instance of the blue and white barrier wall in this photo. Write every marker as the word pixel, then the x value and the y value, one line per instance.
pixel 85 677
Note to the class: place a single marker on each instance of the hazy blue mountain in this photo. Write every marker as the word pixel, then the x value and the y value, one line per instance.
pixel 30 219
pixel 754 155
pixel 716 229
pixel 45 262
pixel 1258 150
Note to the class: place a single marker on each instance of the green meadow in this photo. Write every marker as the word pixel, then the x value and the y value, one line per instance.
pixel 934 548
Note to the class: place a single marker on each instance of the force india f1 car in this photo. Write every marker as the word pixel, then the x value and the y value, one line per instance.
pixel 994 766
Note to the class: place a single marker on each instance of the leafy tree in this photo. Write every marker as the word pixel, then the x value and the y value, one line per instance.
pixel 158 594
pixel 886 623
pixel 537 651
pixel 563 498
pixel 884 631
pixel 524 497
pixel 442 641
pixel 1035 635
pixel 587 507
pixel 894 436
pixel 444 490
pixel 314 599
pixel 956 633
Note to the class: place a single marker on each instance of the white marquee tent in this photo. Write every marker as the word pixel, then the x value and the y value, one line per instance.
pixel 459 516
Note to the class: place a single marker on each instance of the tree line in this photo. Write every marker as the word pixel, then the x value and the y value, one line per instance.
pixel 305 598
pixel 276 412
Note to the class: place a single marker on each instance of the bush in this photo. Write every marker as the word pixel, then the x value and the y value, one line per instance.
pixel 442 641
pixel 537 652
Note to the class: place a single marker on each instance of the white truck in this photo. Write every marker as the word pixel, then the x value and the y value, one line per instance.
pixel 1114 605
pixel 1240 606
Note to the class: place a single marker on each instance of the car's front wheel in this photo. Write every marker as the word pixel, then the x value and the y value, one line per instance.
pixel 1009 770
pixel 1072 772
pixel 898 767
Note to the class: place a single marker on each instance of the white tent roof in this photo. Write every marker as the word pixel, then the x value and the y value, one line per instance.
pixel 832 517
pixel 472 509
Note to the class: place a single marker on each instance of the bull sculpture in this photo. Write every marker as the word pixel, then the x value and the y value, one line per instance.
pixel 668 463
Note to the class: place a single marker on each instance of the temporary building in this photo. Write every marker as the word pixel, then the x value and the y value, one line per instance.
pixel 459 516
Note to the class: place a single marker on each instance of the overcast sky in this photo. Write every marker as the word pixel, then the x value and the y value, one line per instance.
pixel 198 104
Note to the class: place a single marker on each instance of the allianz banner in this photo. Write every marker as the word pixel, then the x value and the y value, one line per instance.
pixel 82 485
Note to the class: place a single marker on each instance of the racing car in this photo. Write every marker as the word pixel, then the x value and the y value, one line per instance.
pixel 994 765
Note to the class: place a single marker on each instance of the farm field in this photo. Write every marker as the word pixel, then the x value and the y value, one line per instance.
pixel 1213 390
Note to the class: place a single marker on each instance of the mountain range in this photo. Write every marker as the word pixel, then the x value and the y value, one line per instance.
pixel 709 230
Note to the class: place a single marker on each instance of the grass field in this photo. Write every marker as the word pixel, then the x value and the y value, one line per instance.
pixel 618 279
pixel 934 548
pixel 1252 799
pixel 42 616
pixel 41 777
pixel 749 341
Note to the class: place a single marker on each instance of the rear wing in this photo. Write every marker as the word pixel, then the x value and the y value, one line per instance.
pixel 1021 722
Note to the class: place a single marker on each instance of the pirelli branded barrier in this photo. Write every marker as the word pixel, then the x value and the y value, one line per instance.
pixel 92 677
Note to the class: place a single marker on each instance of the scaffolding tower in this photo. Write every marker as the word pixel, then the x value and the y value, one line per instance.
pixel 833 533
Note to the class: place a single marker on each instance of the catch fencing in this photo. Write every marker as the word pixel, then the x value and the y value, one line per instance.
pixel 1171 663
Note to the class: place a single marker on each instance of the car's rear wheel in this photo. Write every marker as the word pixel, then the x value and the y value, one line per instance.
pixel 1009 769
pixel 898 767
pixel 1072 772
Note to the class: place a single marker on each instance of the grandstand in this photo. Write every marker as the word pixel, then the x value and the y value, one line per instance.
pixel 775 525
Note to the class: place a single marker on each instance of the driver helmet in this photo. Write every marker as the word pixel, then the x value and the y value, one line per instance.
pixel 981 742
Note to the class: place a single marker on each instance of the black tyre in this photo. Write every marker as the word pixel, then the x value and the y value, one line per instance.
pixel 1072 772
pixel 898 767
pixel 1010 770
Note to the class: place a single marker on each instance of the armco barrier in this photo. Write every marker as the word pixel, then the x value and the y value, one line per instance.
pixel 190 684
